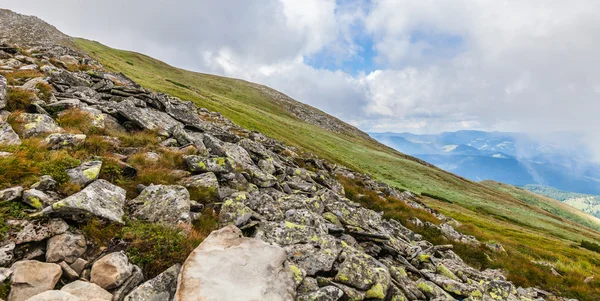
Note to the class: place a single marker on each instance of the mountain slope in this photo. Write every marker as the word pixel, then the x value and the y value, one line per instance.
pixel 584 202
pixel 484 209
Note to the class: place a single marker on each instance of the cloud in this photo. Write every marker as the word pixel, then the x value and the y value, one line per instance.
pixel 436 65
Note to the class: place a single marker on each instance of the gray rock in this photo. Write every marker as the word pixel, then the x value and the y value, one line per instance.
pixel 6 254
pixel 37 199
pixel 11 194
pixel 86 291
pixel 38 124
pixel 66 246
pixel 205 184
pixel 219 165
pixel 46 183
pixel 30 231
pixel 53 296
pixel 85 173
pixel 8 135
pixel 363 272
pixel 226 259
pixel 101 199
pixel 146 118
pixel 184 111
pixel 184 137
pixel 163 203
pixel 32 277
pixel 134 280
pixel 4 274
pixel 111 270
pixel 2 92
pixel 327 293
pixel 30 84
pixel 64 104
pixel 59 140
pixel 160 288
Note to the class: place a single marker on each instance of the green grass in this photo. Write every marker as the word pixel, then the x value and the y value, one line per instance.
pixel 528 231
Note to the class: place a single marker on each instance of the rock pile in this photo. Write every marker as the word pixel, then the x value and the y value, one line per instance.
pixel 288 232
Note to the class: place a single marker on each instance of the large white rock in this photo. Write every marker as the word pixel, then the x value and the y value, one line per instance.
pixel 228 266
pixel 86 290
pixel 32 277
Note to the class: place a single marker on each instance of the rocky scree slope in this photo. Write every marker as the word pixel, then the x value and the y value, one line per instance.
pixel 287 230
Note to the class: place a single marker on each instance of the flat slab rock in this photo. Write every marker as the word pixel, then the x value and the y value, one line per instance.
pixel 227 260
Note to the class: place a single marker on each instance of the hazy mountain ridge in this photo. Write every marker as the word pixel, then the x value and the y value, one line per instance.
pixel 513 158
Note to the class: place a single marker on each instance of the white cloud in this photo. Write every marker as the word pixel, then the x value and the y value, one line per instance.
pixel 439 65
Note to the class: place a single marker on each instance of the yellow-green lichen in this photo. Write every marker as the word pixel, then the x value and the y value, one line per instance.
pixel 376 292
pixel 424 287
pixel 92 173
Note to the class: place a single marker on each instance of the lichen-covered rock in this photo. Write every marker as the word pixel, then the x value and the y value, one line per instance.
pixel 363 272
pixel 101 199
pixel 218 165
pixel 160 288
pixel 38 124
pixel 327 293
pixel 86 291
pixel 67 246
pixel 226 260
pixel 32 277
pixel 59 140
pixel 85 173
pixel 111 270
pixel 30 231
pixel 130 283
pixel 54 296
pixel 37 199
pixel 8 135
pixel 163 203
pixel 11 194
pixel 45 183
pixel 207 185
pixel 184 137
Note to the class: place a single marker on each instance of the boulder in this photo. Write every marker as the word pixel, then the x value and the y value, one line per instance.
pixel 86 291
pixel 59 140
pixel 37 199
pixel 31 231
pixel 11 194
pixel 206 185
pixel 8 135
pixel 66 246
pixel 3 86
pixel 146 118
pixel 38 124
pixel 54 296
pixel 226 260
pixel 32 277
pixel 101 199
pixel 162 203
pixel 363 272
pixel 85 173
pixel 160 288
pixel 219 165
pixel 111 271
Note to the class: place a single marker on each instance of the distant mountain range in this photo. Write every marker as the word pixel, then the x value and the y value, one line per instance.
pixel 512 158
pixel 584 202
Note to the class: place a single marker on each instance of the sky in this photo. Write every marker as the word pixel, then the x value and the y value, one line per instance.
pixel 418 66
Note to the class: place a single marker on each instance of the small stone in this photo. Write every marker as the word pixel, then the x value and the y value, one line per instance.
pixel 58 140
pixel 79 265
pixel 68 272
pixel 46 183
pixel 31 231
pixel 38 124
pixel 4 274
pixel 161 287
pixel 111 270
pixel 8 135
pixel 11 194
pixel 67 247
pixel 37 199
pixel 136 278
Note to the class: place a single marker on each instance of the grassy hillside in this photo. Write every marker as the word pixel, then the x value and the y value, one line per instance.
pixel 529 233
pixel 584 202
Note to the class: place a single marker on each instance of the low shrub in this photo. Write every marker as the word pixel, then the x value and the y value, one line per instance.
pixel 19 99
